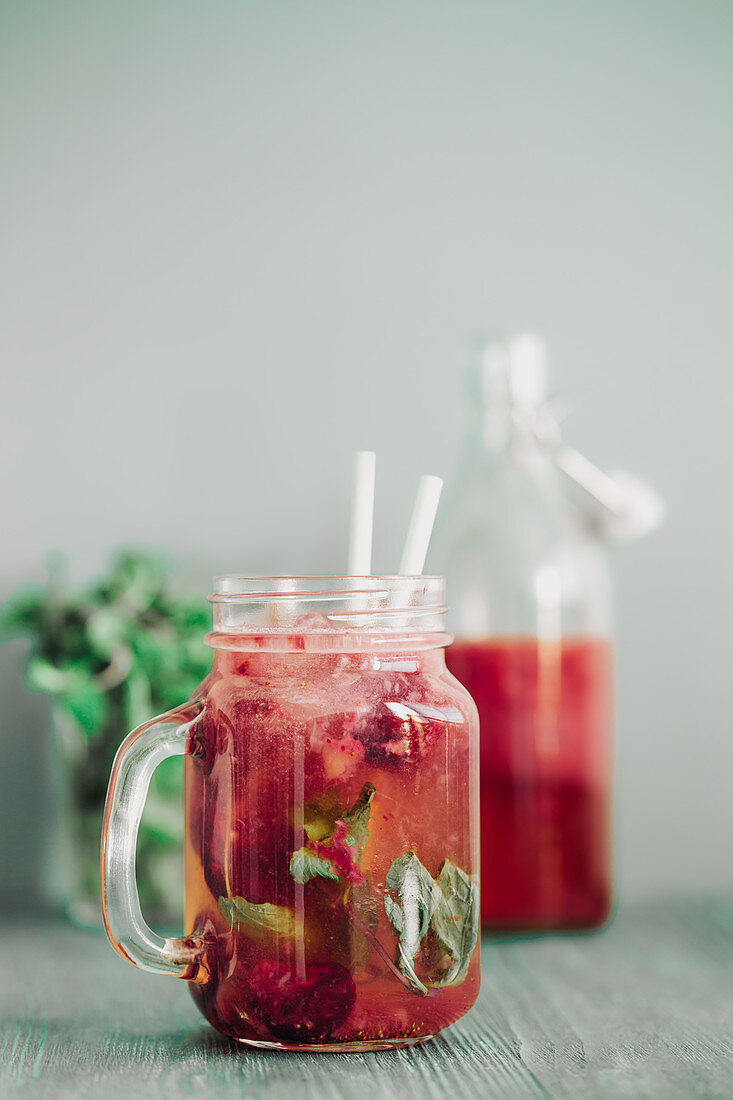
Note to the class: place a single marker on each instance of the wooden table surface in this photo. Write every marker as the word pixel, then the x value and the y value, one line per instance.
pixel 643 1009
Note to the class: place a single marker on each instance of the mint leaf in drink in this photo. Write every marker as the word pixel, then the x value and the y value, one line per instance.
pixel 357 820
pixel 259 921
pixel 411 899
pixel 454 923
pixel 321 815
pixel 305 865
pixel 336 840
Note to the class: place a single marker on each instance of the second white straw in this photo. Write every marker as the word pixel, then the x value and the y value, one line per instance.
pixel 362 514
pixel 421 525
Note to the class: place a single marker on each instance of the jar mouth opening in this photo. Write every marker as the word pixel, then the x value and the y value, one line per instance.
pixel 329 605
pixel 292 584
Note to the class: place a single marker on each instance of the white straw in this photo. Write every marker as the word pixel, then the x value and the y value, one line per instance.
pixel 421 525
pixel 362 514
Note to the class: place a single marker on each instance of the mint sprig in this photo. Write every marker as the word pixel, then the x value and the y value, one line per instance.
pixel 438 919
pixel 412 899
pixel 336 840
pixel 259 921
pixel 357 820
pixel 305 865
pixel 455 921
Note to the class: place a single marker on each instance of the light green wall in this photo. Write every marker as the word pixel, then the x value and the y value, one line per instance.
pixel 239 240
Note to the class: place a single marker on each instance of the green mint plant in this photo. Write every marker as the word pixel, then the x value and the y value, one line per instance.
pixel 111 656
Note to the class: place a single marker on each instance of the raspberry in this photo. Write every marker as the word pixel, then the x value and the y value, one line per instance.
pixel 293 1009
pixel 396 736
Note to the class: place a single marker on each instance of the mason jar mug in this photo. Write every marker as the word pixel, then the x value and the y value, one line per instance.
pixel 331 819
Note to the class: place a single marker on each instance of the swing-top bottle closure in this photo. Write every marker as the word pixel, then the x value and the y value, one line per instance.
pixel 617 506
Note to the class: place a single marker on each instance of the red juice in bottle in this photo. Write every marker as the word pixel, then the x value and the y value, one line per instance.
pixel 545 714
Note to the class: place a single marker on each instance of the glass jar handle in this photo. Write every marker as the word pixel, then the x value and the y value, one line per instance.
pixel 137 758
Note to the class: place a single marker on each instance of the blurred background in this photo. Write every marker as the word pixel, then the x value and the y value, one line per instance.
pixel 241 240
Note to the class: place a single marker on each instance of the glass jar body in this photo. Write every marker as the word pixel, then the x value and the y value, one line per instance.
pixel 331 824
pixel 532 617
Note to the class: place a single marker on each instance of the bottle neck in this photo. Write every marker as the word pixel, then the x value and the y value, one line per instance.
pixel 500 432
pixel 505 428
pixel 505 395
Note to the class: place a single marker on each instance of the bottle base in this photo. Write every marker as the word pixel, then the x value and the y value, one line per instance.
pixel 358 1047
pixel 590 919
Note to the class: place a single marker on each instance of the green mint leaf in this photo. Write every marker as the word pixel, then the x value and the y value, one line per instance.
pixel 357 820
pixel 75 689
pixel 410 902
pixel 49 678
pixel 330 828
pixel 455 922
pixel 321 816
pixel 23 614
pixel 260 921
pixel 305 865
pixel 88 707
pixel 106 630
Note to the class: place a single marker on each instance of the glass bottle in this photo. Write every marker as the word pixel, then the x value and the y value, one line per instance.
pixel 531 611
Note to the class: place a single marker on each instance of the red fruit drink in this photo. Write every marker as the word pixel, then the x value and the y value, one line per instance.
pixel 331 842
pixel 545 710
